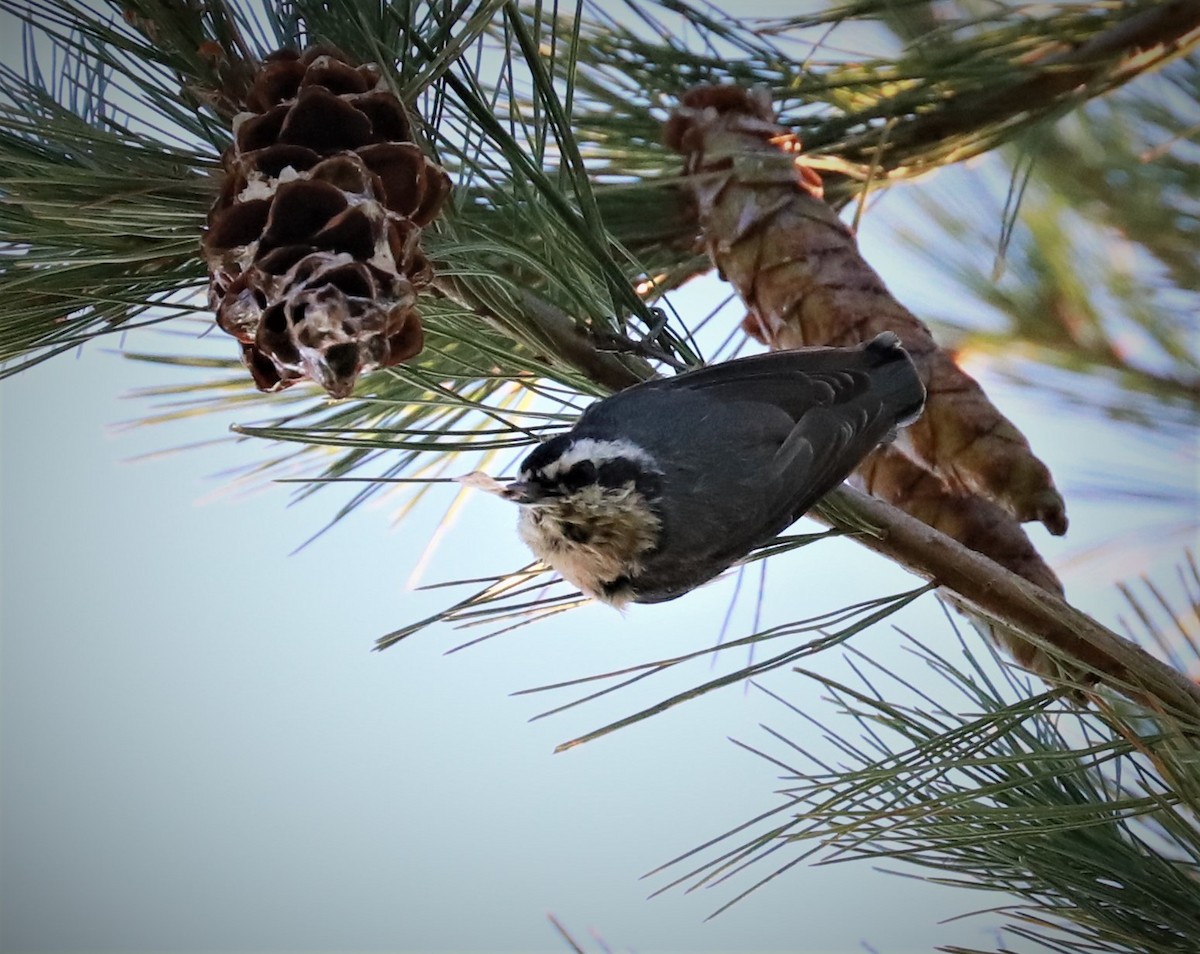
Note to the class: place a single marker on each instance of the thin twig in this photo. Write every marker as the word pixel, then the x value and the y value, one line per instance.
pixel 562 336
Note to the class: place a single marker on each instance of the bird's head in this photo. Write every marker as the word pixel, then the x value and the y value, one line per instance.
pixel 588 509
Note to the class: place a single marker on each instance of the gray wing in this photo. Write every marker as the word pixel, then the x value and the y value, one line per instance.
pixel 748 446
pixel 798 380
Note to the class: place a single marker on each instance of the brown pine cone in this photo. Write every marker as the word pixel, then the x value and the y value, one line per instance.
pixel 313 245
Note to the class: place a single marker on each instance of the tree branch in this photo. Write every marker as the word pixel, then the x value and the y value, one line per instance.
pixel 985 587
pixel 1106 60
pixel 544 325
pixel 1003 597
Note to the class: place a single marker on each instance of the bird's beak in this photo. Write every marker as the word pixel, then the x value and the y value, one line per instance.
pixel 523 493
pixel 481 481
pixel 518 491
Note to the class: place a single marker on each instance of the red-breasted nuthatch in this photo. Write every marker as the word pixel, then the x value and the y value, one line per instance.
pixel 664 485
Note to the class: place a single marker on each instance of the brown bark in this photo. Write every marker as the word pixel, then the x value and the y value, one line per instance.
pixel 970 519
pixel 1013 609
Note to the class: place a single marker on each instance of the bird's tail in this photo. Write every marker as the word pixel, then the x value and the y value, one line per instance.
pixel 895 377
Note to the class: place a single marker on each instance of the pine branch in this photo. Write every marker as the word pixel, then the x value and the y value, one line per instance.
pixel 1010 602
pixel 549 259
pixel 1029 611
pixel 1145 40
pixel 873 122
pixel 1089 818
pixel 561 336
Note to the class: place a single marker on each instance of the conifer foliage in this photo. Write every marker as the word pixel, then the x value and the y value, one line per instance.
pixel 310 188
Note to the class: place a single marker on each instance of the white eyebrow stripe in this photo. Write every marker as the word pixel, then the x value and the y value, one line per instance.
pixel 599 452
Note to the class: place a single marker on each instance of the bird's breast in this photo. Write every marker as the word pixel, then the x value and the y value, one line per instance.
pixel 594 538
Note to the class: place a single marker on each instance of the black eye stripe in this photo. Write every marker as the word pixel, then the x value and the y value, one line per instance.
pixel 580 475
pixel 615 473
pixel 618 472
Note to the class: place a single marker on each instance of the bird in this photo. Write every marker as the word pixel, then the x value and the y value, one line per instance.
pixel 661 487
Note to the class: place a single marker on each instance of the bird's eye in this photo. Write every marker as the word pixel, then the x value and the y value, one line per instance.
pixel 580 475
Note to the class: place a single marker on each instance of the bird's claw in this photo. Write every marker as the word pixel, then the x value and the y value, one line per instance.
pixel 653 344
